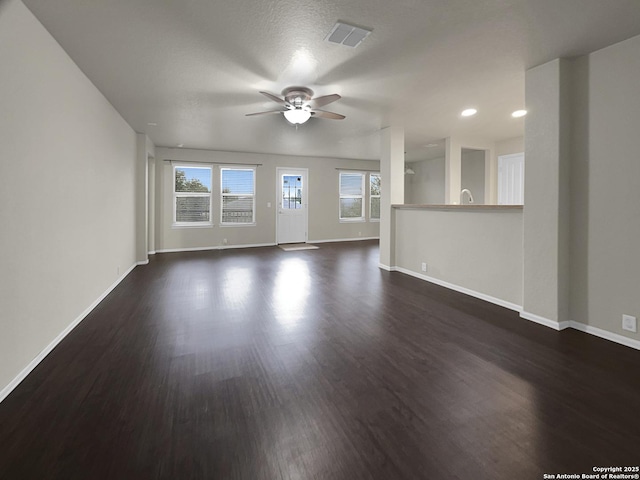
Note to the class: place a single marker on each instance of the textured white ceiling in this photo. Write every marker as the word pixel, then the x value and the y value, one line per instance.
pixel 195 67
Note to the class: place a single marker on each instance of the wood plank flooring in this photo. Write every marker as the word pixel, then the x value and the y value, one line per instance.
pixel 265 364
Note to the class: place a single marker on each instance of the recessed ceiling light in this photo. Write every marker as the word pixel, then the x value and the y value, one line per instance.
pixel 469 112
pixel 519 113
pixel 152 124
pixel 431 145
pixel 180 145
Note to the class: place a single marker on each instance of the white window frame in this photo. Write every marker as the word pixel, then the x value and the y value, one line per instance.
pixel 361 218
pixel 176 195
pixel 222 195
pixel 372 196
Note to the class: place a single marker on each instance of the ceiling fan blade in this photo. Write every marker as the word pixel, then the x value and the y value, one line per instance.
pixel 330 115
pixel 270 96
pixel 263 113
pixel 324 100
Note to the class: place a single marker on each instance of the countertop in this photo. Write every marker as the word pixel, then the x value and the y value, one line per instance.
pixel 401 206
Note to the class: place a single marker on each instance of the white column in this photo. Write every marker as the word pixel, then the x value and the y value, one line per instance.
pixel 151 206
pixel 141 199
pixel 490 177
pixel 392 191
pixel 453 170
pixel 546 194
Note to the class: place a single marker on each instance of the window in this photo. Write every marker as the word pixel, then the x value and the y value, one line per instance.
pixel 238 196
pixel 351 196
pixel 374 197
pixel 291 192
pixel 191 196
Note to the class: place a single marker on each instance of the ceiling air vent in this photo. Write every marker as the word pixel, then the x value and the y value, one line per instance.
pixel 348 35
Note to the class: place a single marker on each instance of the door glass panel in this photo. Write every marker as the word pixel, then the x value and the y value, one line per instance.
pixel 291 192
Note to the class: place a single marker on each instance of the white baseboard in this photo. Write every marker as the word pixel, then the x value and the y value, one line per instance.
pixel 457 288
pixel 143 262
pixel 356 239
pixel 598 332
pixel 217 247
pixel 544 321
pixel 34 363
pixel 255 245
pixel 559 326
pixel 151 252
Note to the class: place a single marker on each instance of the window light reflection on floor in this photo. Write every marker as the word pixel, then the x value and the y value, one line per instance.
pixel 237 286
pixel 291 291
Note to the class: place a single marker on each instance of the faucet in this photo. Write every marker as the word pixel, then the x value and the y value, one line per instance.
pixel 468 192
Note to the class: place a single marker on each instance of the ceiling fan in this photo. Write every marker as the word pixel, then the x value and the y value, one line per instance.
pixel 299 105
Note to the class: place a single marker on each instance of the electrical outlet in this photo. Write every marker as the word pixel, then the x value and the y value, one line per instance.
pixel 118 271
pixel 359 234
pixel 424 266
pixel 629 323
pixel 224 241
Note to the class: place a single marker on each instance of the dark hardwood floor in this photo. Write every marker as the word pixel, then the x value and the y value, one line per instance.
pixel 265 364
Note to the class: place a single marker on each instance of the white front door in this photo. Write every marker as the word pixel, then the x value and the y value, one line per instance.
pixel 292 205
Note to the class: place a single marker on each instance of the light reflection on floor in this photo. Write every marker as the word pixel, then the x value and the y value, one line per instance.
pixel 291 291
pixel 201 293
pixel 238 282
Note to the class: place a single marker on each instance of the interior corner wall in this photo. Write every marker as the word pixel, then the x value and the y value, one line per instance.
pixel 510 146
pixel 426 185
pixel 473 174
pixel 324 224
pixel 67 201
pixel 605 185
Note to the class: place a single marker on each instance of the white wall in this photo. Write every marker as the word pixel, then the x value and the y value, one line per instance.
pixel 476 249
pixel 426 186
pixel 605 176
pixel 67 198
pixel 509 146
pixel 323 200
pixel 473 174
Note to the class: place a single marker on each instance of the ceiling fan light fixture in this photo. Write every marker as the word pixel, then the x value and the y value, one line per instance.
pixel 299 105
pixel 297 116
